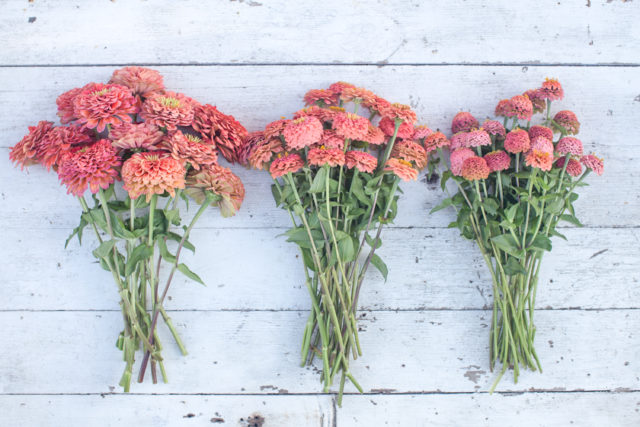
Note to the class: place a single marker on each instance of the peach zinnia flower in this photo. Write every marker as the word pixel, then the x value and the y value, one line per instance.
pixel 351 126
pixel 287 164
pixel 99 105
pixel 402 169
pixel 322 114
pixel 494 127
pixel 365 162
pixel 249 144
pixel 594 163
pixel 221 130
pixel 543 131
pixel 142 81
pixel 421 132
pixel 128 136
pixel 338 87
pixel 358 94
pixel 536 96
pixel 388 126
pixel 411 152
pixel 434 141
pixel 326 156
pixel 541 143
pixel 190 148
pixel 569 144
pixel 457 158
pixel 497 160
pixel 477 138
pixel 504 109
pixel 475 168
pixel 66 110
pixel 517 141
pixel 378 105
pixel 57 142
pixel 522 107
pixel 168 110
pixel 331 140
pixel 552 90
pixel 375 135
pixel 567 120
pixel 463 122
pixel 320 97
pixel 92 166
pixel 539 159
pixel 152 173
pixel 302 132
pixel 274 129
pixel 574 168
pixel 24 152
pixel 263 153
pixel 400 111
pixel 220 181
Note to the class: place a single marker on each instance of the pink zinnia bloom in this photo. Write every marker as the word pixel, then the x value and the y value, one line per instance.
pixel 221 130
pixel 400 111
pixel 190 148
pixel 459 140
pixel 24 152
pixel 351 126
pixel 574 168
pixel 402 169
pixel 287 164
pixel 539 159
pixel 463 122
pixel 494 127
pixel 274 129
pixel 536 96
pixel 457 158
pixel 359 94
pixel 302 132
pixel 320 97
pixel 421 132
pixel 378 105
pixel 326 156
pixel 517 141
pixel 567 120
pixel 543 131
pixel 152 173
pixel 127 136
pixel 57 142
pixel 569 144
pixel 142 81
pixel 331 140
pixel 594 163
pixel 92 166
pixel 322 114
pixel 497 160
pixel 552 90
pixel 541 143
pixel 388 126
pixel 475 168
pixel 338 87
pixel 478 138
pixel 434 141
pixel 218 180
pixel 249 144
pixel 99 105
pixel 375 135
pixel 504 109
pixel 66 110
pixel 264 152
pixel 365 162
pixel 411 152
pixel 522 107
pixel 168 110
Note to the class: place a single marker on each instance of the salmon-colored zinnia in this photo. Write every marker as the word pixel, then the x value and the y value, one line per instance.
pixel 457 158
pixel 264 152
pixel 375 135
pixel 93 166
pixel 326 156
pixel 168 110
pixel 302 132
pixel 517 141
pixel 411 152
pixel 388 126
pixel 504 109
pixel 402 169
pixel 566 120
pixel 331 140
pixel 497 160
pixel 98 105
pixel 191 149
pixel 221 130
pixel 539 159
pixel 249 144
pixel 570 145
pixel 522 107
pixel 286 164
pixel 66 110
pixel 58 142
pixel 494 127
pixel 351 126
pixel 463 122
pixel 142 81
pixel 320 97
pixel 128 136
pixel 574 168
pixel 435 140
pixel 220 181
pixel 24 152
pixel 536 96
pixel 552 90
pixel 364 162
pixel 537 130
pixel 475 168
pixel 152 173
pixel 591 161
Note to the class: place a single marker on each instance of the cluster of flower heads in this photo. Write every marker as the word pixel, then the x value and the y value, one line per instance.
pixel 325 133
pixel 534 143
pixel 133 129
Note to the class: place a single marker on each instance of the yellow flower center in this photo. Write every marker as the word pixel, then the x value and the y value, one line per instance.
pixel 338 109
pixel 300 120
pixel 404 162
pixel 170 102
pixel 100 92
pixel 193 138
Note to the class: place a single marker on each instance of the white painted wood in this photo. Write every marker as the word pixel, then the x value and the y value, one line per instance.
pixel 258 352
pixel 270 31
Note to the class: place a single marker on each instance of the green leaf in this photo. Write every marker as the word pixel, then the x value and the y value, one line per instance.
pixel 445 177
pixel 513 267
pixel 380 265
pixel 177 238
pixel 173 216
pixel 556 233
pixel 347 249
pixel 318 184
pixel 190 274
pixel 491 206
pixel 555 207
pixel 507 243
pixel 139 254
pixel 77 231
pixel 443 205
pixel 541 242
pixel 164 251
pixel 104 249
pixel 370 241
pixel 571 219
pixel 511 212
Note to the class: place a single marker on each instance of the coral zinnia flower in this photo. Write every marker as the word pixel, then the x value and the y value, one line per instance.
pixel 388 126
pixel 574 168
pixel 375 135
pixel 517 141
pixel 463 122
pixel 365 162
pixel 66 110
pixel 57 142
pixel 220 181
pixel 223 131
pixel 274 129
pixel 264 152
pixel 475 168
pixel 338 87
pixel 322 114
pixel 190 148
pixel 566 119
pixel 494 127
pixel 478 138
pixel 539 159
pixel 402 169
pixel 302 132
pixel 421 132
pixel 249 144
pixel 552 90
pixel 457 158
pixel 536 96
pixel 378 105
pixel 351 126
pixel 497 160
pixel 99 105
pixel 594 163
pixel 24 153
pixel 287 164
pixel 504 109
pixel 168 110
pixel 541 143
pixel 400 111
pixel 93 166
pixel 357 94
pixel 326 156
pixel 459 140
pixel 537 130
pixel 142 81
pixel 128 136
pixel 569 144
pixel 522 107
pixel 320 97
pixel 434 141
pixel 152 173
pixel 411 152
pixel 331 140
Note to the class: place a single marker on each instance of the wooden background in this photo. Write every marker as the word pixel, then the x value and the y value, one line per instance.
pixel 425 331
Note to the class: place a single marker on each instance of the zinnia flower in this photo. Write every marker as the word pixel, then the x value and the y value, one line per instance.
pixel 57 142
pixel 517 141
pixel 98 105
pixel 459 140
pixel 220 181
pixel 249 144
pixel 378 105
pixel 494 127
pixel 497 160
pixel 338 87
pixel 536 96
pixel 536 130
pixel 66 110
pixel 552 90
pixel 478 138
pixel 190 148
pixel 463 122
pixel 566 119
pixel 320 97
pixel 411 152
pixel 574 168
pixel 375 135
pixel 402 169
pixel 400 111
pixel 302 132
pixel 326 156
pixel 351 126
pixel 263 153
pixel 322 114
pixel 222 130
pixel 475 168
pixel 594 163
pixel 539 159
pixel 287 164
pixel 541 143
pixel 331 140
pixel 168 110
pixel 24 152
pixel 142 81
pixel 128 136
pixel 421 132
pixel 457 158
pixel 504 109
pixel 434 141
pixel 569 144
pixel 522 107
pixel 274 129
pixel 365 162
pixel 388 126
pixel 357 94
pixel 152 173
pixel 92 166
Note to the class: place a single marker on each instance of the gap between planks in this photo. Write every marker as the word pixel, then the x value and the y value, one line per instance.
pixel 333 64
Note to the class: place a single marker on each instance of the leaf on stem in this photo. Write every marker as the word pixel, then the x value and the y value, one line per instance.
pixel 190 274
pixel 380 265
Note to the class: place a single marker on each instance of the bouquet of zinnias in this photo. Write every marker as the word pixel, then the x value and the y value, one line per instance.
pixel 337 174
pixel 163 146
pixel 515 184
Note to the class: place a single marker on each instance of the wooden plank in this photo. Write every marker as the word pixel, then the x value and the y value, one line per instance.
pixel 430 269
pixel 338 32
pixel 170 411
pixel 258 352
